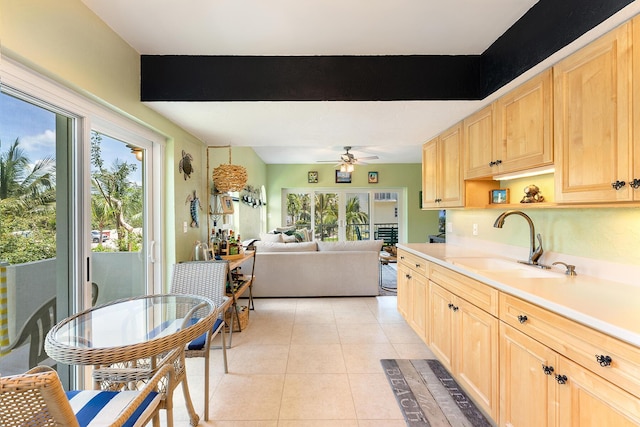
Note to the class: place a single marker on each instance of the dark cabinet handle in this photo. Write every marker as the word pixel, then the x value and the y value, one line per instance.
pixel 548 370
pixel 417 265
pixel 408 276
pixel 454 308
pixel 635 183
pixel 498 162
pixel 618 184
pixel 492 164
pixel 450 305
pixel 562 379
pixel 603 360
pixel 522 318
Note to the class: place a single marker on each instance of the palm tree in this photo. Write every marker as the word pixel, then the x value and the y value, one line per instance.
pixel 27 206
pixel 326 215
pixel 355 217
pixel 19 181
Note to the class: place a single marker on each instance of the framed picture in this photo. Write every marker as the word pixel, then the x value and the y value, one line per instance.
pixel 227 204
pixel 372 178
pixel 343 177
pixel 312 177
pixel 497 197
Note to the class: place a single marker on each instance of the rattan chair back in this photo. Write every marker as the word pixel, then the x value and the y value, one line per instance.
pixel 207 279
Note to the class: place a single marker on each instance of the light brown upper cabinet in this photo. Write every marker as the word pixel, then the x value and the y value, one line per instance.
pixel 524 125
pixel 514 133
pixel 479 141
pixel 592 119
pixel 442 182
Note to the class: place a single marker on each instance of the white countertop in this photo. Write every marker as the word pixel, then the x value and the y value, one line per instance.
pixel 606 306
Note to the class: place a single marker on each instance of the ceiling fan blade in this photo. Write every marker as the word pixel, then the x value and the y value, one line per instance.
pixel 328 161
pixel 368 158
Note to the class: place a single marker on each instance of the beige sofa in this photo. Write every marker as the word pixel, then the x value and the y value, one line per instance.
pixel 316 269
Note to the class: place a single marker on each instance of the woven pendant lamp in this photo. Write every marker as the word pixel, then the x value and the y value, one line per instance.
pixel 229 177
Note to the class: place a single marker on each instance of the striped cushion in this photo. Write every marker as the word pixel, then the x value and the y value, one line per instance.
pixel 198 343
pixel 95 408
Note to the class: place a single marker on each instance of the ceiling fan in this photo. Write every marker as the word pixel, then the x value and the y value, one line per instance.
pixel 348 160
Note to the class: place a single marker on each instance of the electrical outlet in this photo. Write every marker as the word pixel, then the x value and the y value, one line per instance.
pixel 475 229
pixel 185 227
pixel 449 227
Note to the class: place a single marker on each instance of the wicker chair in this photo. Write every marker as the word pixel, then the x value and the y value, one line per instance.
pixel 36 398
pixel 32 334
pixel 208 279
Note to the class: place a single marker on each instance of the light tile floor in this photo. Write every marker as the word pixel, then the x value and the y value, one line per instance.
pixel 308 362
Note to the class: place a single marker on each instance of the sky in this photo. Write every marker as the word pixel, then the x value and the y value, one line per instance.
pixel 35 127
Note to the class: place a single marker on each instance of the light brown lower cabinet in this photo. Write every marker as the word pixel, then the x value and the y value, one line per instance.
pixel 541 388
pixel 465 340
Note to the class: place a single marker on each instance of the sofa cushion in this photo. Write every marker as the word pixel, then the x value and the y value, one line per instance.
pixel 355 245
pixel 267 237
pixel 262 246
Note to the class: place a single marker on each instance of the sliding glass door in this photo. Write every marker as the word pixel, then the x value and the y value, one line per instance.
pixel 343 215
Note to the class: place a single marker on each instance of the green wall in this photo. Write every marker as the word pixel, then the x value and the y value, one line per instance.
pixel 404 177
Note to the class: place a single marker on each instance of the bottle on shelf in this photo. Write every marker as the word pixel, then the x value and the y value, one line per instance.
pixel 223 243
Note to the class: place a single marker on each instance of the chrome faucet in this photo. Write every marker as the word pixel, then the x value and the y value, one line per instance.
pixel 534 253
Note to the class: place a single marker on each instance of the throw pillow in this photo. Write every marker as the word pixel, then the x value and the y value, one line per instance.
pixel 288 238
pixel 267 237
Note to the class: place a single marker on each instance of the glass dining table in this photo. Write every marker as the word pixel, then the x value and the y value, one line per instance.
pixel 128 331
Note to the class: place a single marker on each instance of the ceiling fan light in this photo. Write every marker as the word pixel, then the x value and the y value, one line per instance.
pixel 349 168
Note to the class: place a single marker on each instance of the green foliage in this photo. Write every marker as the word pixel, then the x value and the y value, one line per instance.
pixel 27 207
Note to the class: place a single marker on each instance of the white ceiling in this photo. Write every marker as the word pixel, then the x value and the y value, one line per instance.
pixel 305 132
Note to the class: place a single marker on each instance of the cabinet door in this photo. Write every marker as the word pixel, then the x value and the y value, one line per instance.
pixel 527 394
pixel 524 126
pixel 476 355
pixel 440 324
pixel 404 290
pixel 587 400
pixel 419 286
pixel 450 176
pixel 592 121
pixel 430 162
pixel 479 142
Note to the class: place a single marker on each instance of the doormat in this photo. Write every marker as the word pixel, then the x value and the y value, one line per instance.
pixel 428 396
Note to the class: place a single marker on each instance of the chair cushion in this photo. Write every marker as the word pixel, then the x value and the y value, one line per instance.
pixel 99 408
pixel 198 343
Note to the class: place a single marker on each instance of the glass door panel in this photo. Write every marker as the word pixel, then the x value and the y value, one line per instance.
pixel 118 218
pixel 357 216
pixel 326 216
pixel 33 244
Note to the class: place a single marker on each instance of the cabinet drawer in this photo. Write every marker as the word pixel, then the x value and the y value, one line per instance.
pixel 414 262
pixel 482 296
pixel 575 341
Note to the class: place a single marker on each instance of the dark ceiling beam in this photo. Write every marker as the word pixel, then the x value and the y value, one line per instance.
pixel 309 78
pixel 547 27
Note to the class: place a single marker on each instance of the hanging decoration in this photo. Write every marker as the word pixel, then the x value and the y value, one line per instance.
pixel 185 165
pixel 229 177
pixel 194 209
